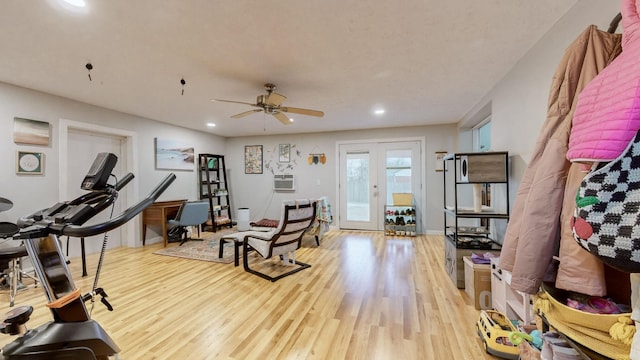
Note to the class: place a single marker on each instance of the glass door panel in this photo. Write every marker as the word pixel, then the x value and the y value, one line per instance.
pixel 358 189
pixel 358 194
pixel 398 173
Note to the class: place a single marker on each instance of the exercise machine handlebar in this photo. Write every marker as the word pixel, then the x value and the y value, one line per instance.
pixel 37 226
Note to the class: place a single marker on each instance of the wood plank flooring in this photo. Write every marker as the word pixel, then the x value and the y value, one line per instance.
pixel 366 296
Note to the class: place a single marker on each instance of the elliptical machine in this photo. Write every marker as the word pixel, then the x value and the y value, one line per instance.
pixel 72 334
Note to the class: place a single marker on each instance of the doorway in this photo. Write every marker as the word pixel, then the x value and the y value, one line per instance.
pixel 369 175
pixel 79 145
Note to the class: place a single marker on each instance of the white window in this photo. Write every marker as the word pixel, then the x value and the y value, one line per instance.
pixel 482 143
pixel 482 135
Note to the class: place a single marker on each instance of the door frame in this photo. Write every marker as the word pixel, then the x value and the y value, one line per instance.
pixel 130 150
pixel 422 191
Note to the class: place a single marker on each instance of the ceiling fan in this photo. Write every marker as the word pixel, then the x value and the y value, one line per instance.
pixel 271 104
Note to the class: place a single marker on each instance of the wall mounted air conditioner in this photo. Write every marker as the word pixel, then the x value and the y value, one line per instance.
pixel 283 183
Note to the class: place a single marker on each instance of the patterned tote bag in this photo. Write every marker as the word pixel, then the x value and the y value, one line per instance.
pixel 606 219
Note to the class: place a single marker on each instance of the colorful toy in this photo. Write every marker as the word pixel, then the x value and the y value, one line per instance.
pixel 494 329
pixel 535 338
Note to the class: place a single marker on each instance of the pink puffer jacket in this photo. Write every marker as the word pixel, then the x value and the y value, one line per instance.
pixel 607 115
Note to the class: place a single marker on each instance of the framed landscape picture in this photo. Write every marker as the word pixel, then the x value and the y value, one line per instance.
pixel 253 159
pixel 173 154
pixel 31 132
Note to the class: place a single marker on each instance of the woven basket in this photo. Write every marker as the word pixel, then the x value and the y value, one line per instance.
pixel 609 335
pixel 402 199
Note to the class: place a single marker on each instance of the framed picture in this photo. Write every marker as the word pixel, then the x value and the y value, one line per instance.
pixel 440 160
pixel 31 132
pixel 253 159
pixel 29 162
pixel 174 155
pixel 285 153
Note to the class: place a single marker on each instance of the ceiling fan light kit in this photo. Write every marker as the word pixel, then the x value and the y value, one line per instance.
pixel 271 103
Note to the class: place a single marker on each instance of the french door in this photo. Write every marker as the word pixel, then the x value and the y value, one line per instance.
pixel 369 175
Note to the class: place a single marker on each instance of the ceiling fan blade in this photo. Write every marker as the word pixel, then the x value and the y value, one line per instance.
pixel 234 102
pixel 302 111
pixel 275 99
pixel 282 117
pixel 243 114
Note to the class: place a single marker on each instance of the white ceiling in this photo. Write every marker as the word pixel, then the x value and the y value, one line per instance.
pixel 423 61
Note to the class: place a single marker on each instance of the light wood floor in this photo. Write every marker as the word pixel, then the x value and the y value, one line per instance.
pixel 366 296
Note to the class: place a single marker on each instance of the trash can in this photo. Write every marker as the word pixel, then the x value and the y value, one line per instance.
pixel 243 219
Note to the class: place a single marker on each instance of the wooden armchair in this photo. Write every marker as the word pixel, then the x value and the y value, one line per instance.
pixel 296 217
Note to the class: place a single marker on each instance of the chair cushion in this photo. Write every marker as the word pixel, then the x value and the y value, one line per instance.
pixel 262 247
pixel 239 236
pixel 265 223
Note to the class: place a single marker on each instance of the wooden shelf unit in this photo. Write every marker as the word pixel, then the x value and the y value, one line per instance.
pixel 213 187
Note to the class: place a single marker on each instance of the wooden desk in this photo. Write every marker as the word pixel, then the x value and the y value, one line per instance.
pixel 157 214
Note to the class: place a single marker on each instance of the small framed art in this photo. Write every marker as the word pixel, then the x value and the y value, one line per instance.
pixel 253 159
pixel 285 153
pixel 440 160
pixel 29 163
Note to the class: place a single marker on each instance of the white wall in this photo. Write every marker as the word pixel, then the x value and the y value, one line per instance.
pixel 30 193
pixel 519 101
pixel 517 105
pixel 255 191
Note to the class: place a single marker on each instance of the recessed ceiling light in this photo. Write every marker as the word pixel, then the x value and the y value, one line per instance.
pixel 379 112
pixel 74 7
pixel 211 124
pixel 76 3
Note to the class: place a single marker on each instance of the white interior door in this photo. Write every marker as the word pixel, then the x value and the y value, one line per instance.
pixel 369 175
pixel 84 147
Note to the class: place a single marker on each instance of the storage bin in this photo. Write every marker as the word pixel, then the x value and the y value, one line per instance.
pixel 402 199
pixel 606 334
pixel 477 283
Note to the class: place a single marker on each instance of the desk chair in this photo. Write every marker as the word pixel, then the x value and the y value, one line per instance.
pixel 191 213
